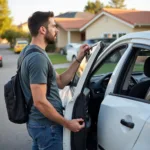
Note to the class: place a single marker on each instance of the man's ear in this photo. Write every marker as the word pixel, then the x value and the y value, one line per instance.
pixel 42 30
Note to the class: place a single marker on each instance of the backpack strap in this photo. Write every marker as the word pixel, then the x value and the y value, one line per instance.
pixel 49 78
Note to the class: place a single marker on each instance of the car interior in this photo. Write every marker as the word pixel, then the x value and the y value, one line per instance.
pixel 135 83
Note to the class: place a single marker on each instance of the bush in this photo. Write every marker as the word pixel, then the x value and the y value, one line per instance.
pixel 51 48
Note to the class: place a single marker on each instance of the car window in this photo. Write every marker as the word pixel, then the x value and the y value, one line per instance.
pixel 137 75
pixel 108 65
pixel 140 60
pixel 22 42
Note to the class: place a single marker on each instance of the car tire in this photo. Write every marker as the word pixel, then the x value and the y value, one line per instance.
pixel 1 64
pixel 73 58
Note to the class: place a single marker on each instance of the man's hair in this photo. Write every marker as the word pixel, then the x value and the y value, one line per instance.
pixel 37 20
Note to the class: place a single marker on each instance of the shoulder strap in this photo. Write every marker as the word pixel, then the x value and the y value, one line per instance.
pixel 26 54
pixel 49 79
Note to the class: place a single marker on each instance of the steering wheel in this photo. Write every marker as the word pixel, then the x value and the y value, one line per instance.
pixel 99 88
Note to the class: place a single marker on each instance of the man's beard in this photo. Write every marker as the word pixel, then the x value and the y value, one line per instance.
pixel 49 39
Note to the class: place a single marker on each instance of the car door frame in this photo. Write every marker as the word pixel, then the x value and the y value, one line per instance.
pixel 69 108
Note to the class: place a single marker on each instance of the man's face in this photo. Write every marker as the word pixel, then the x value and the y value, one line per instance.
pixel 51 32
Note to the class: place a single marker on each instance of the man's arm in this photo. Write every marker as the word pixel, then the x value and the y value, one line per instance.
pixel 65 78
pixel 47 109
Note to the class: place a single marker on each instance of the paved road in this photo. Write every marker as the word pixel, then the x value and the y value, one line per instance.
pixel 12 136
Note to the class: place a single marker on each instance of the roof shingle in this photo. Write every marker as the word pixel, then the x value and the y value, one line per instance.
pixel 134 17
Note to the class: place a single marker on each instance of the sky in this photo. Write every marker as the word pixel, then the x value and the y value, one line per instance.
pixel 22 9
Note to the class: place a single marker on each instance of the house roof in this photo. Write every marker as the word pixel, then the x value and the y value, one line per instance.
pixel 75 15
pixel 134 17
pixel 131 18
pixel 71 23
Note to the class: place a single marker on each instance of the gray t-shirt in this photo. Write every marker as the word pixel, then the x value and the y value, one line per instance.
pixel 34 70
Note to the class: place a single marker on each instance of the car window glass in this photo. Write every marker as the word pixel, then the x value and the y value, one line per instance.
pixel 137 79
pixel 108 65
pixel 140 60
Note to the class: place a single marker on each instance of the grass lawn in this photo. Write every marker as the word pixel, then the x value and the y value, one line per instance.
pixel 58 59
pixel 109 67
pixel 61 70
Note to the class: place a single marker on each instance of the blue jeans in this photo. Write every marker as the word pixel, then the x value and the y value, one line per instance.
pixel 46 137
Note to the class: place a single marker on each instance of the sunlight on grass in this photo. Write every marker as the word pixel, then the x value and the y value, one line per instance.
pixel 58 59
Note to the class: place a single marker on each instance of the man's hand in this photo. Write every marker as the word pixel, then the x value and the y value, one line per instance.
pixel 75 125
pixel 84 49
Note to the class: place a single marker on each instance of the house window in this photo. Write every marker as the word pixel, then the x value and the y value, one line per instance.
pixel 121 34
pixel 110 35
pixel 107 35
pixel 114 35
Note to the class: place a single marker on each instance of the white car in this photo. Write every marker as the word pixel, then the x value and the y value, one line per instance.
pixel 72 52
pixel 113 98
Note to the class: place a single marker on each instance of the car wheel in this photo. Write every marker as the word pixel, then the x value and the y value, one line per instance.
pixel 73 58
pixel 1 64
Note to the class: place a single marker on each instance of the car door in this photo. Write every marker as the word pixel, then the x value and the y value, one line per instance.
pixel 121 118
pixel 77 108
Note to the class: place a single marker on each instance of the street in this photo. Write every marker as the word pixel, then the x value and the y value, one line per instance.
pixel 12 136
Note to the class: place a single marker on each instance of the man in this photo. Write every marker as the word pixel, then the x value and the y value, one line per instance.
pixel 46 115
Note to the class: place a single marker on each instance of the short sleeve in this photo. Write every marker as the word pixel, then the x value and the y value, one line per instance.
pixel 38 69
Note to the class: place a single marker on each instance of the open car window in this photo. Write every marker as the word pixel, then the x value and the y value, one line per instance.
pixel 108 66
pixel 137 77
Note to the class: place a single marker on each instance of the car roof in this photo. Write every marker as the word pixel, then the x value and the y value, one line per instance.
pixel 136 35
pixel 22 41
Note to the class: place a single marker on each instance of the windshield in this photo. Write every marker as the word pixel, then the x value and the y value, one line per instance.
pixel 22 42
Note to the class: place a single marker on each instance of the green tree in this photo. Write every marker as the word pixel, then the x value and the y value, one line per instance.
pixel 5 19
pixel 93 7
pixel 117 4
pixel 12 34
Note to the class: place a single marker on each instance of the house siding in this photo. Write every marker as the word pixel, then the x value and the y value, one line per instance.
pixel 75 37
pixel 106 24
pixel 141 29
pixel 61 38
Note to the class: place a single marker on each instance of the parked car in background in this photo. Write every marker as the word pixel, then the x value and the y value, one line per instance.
pixel 63 51
pixel 107 41
pixel 20 45
pixel 113 98
pixel 1 61
pixel 72 52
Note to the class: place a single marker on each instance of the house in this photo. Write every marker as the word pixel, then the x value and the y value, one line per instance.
pixel 109 22
pixel 116 22
pixel 69 25
pixel 69 30
pixel 75 15
pixel 24 27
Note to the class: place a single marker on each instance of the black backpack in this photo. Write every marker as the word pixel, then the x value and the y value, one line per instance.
pixel 17 108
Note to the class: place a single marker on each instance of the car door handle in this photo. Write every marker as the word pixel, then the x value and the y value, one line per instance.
pixel 127 124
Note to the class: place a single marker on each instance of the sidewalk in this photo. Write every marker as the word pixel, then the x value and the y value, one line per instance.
pixel 58 66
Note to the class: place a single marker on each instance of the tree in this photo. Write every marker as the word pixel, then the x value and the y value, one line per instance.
pixel 12 34
pixel 117 4
pixel 5 19
pixel 93 7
